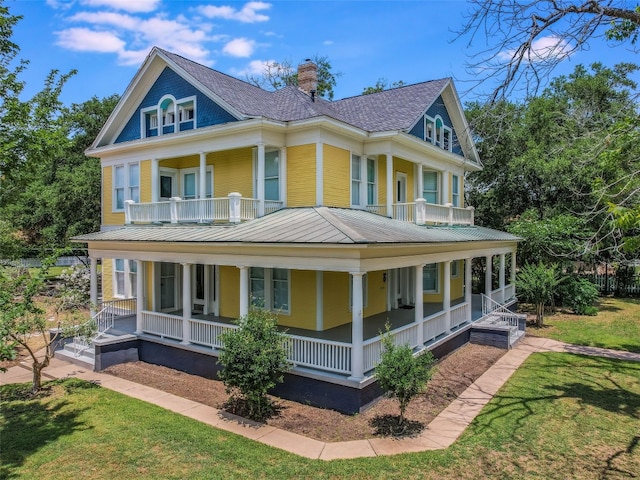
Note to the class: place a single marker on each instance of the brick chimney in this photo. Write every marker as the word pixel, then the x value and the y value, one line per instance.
pixel 308 77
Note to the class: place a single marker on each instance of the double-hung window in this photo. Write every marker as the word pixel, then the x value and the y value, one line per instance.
pixel 455 268
pixel 430 186
pixel 118 187
pixel 371 182
pixel 270 288
pixel 356 180
pixel 124 277
pixel 430 278
pixel 272 175
pixel 455 190
pixel 126 184
pixel 119 277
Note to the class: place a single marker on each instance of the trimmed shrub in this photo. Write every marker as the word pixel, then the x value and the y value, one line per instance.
pixel 579 294
pixel 254 360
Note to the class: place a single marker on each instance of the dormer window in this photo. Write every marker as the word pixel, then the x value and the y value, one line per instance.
pixel 437 133
pixel 170 115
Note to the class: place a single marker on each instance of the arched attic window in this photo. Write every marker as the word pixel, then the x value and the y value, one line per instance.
pixel 168 111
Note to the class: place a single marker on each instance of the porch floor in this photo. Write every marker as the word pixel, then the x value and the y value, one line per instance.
pixel 373 325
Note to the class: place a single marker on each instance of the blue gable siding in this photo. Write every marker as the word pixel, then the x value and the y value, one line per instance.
pixel 170 83
pixel 438 108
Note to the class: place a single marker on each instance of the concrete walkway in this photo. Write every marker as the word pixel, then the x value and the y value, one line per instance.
pixel 441 432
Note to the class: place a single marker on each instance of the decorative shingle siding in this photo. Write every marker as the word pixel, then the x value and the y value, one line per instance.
pixel 170 83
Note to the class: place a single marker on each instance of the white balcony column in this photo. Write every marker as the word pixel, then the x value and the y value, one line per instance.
pixel 283 176
pixel 419 183
pixel 487 275
pixel 450 213
pixel 389 158
pixel 203 175
pixel 186 303
pixel 244 290
pixel 421 211
pixel 446 196
pixel 140 300
pixel 174 209
pixel 93 292
pixel 234 207
pixel 127 211
pixel 501 283
pixel 319 174
pixel 357 328
pixel 419 305
pixel 446 292
pixel 468 288
pixel 260 180
pixel 155 180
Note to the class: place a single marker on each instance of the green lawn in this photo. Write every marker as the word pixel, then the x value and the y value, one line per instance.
pixel 560 416
pixel 616 326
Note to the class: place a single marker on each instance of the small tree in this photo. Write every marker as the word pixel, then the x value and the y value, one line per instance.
pixel 22 319
pixel 254 360
pixel 401 374
pixel 536 285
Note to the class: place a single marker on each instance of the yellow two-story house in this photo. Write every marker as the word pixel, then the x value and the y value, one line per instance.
pixel 219 196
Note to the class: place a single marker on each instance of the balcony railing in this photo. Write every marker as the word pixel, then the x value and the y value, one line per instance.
pixel 233 209
pixel 422 213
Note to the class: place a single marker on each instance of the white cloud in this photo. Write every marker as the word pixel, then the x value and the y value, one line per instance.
pixel 239 47
pixel 60 4
pixel 107 18
pixel 85 40
pixel 328 42
pixel 254 67
pixel 542 49
pixel 133 6
pixel 247 14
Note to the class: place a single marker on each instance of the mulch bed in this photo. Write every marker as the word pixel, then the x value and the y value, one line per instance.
pixel 454 374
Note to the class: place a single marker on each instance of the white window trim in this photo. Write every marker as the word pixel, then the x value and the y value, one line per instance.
pixel 428 120
pixel 455 182
pixel 125 187
pixel 184 171
pixel 438 180
pixel 177 104
pixel 362 197
pixel 268 290
pixel 437 270
pixel 129 286
pixel 375 181
pixel 281 184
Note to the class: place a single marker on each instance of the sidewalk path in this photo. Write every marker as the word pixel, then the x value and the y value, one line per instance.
pixel 441 432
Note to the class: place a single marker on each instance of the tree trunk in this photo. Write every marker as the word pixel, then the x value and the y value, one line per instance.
pixel 37 377
pixel 539 314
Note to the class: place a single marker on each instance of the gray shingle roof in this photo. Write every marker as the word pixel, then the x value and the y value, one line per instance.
pixel 308 225
pixel 394 109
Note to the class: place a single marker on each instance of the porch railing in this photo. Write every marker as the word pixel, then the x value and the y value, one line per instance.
pixel 509 291
pixel 423 213
pixel 233 208
pixel 321 354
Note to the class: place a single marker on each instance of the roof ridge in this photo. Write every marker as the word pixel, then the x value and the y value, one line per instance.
pixel 329 216
pixel 394 88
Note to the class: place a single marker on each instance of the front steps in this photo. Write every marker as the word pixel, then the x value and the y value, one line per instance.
pixel 497 331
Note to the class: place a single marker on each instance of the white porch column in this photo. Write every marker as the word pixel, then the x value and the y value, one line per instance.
pixel 487 275
pixel 319 300
pixel 513 268
pixel 357 328
pixel 155 181
pixel 389 185
pixel 468 288
pixel 446 292
pixel 419 305
pixel 186 303
pixel 501 277
pixel 203 176
pixel 93 293
pixel 244 290
pixel 140 300
pixel 446 198
pixel 260 180
pixel 419 178
pixel 320 174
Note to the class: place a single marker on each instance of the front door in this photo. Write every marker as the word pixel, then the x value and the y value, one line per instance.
pixel 168 287
pixel 168 185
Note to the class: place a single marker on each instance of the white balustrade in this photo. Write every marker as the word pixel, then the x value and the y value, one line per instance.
pixel 248 208
pixel 271 206
pixel 322 354
pixel 421 212
pixel 204 332
pixel 406 335
pixel 162 324
pixel 404 211
pixel 458 315
pixel 509 291
pixel 434 326
pixel 377 209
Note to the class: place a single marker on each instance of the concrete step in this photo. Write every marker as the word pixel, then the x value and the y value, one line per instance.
pixel 81 360
pixel 72 349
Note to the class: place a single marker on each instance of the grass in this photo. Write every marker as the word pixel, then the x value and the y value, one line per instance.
pixel 616 326
pixel 560 416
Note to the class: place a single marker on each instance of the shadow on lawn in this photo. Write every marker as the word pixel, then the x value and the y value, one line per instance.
pixel 31 422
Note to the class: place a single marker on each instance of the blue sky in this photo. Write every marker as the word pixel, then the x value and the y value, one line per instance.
pixel 107 40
